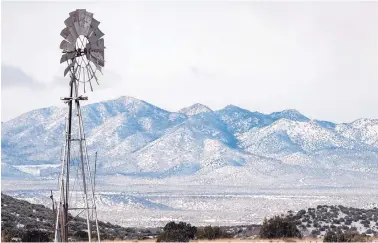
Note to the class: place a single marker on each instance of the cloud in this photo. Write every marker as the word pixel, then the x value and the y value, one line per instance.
pixel 14 77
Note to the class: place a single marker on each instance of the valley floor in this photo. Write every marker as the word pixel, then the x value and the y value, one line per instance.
pixel 153 205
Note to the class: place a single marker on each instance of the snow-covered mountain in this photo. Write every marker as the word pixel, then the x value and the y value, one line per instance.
pixel 195 109
pixel 135 138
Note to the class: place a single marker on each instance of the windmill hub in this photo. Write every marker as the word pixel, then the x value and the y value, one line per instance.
pixel 80 52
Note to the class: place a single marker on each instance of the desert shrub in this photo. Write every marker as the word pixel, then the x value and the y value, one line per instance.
pixel 181 232
pixel 345 227
pixel 350 236
pixel 210 233
pixel 8 225
pixel 365 222
pixel 301 212
pixel 278 227
pixel 336 221
pixel 35 236
pixel 8 234
pixel 315 232
pixel 29 226
pixel 348 222
pixel 81 235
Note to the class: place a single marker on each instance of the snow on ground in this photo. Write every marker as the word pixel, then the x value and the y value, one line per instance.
pixel 35 169
pixel 146 205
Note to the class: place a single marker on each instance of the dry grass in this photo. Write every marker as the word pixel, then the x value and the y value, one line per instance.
pixel 305 239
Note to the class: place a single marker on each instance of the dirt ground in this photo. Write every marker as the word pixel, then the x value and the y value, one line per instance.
pixel 237 240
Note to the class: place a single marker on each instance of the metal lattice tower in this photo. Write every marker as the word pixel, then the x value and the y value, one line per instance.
pixel 83 51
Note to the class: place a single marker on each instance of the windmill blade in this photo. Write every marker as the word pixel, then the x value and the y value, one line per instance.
pixel 68 68
pixel 99 56
pixel 80 19
pixel 74 33
pixel 66 46
pixel 94 25
pixel 74 15
pixel 98 45
pixel 85 23
pixel 96 34
pixel 67 56
pixel 65 33
pixel 69 22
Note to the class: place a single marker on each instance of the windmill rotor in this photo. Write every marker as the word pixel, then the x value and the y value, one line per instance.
pixel 83 47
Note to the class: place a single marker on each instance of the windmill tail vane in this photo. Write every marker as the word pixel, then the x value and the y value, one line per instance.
pixel 83 52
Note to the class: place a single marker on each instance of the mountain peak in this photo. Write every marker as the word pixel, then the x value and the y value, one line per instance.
pixel 128 99
pixel 290 114
pixel 234 108
pixel 195 109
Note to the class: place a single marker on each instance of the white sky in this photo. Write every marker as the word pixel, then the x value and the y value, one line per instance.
pixel 319 58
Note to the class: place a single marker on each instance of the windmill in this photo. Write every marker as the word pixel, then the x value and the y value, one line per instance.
pixel 83 52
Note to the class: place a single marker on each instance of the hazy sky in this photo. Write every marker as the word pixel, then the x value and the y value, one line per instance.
pixel 319 58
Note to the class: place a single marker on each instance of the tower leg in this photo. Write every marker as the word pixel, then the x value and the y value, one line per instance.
pixel 81 138
pixel 61 227
pixel 84 153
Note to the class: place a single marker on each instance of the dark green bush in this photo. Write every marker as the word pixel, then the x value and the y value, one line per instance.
pixel 278 227
pixel 8 234
pixel 81 235
pixel 181 232
pixel 349 236
pixel 35 236
pixel 211 233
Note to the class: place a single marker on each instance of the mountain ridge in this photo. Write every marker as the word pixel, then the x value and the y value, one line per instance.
pixel 135 136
